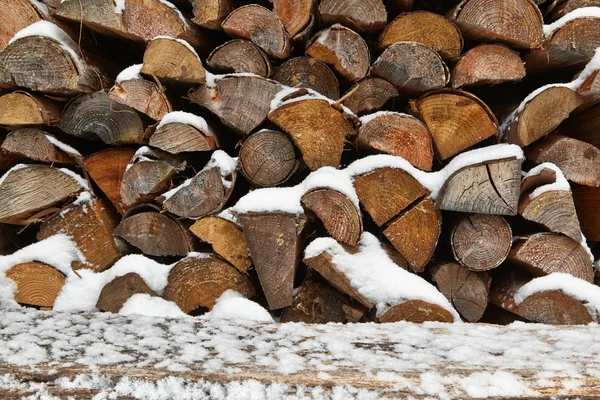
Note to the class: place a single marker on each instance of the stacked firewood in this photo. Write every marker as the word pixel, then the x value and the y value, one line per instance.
pixel 333 160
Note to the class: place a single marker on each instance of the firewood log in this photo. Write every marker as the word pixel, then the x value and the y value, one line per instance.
pixel 174 61
pixel 467 290
pixel 211 13
pixel 156 234
pixel 226 239
pixel 369 95
pixel 142 95
pixel 590 89
pixel 297 16
pixel 241 102
pixel 359 15
pixel 197 282
pixel 587 201
pixel 342 48
pixel 480 242
pixel 261 26
pixel 14 16
pixel 457 120
pixel 175 135
pixel 25 191
pixel 416 311
pixel 107 168
pixel 584 126
pixel 94 116
pixel 432 30
pixel 267 158
pixel 38 284
pixel 37 145
pixel 395 7
pixel 19 108
pixel 308 72
pixel 517 23
pixel 566 6
pixel 398 135
pixel 487 64
pixel 275 243
pixel 539 114
pixel 238 55
pixel 116 292
pixel 488 188
pixel 148 175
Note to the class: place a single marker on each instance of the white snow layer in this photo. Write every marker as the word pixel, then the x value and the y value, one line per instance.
pixel 183 42
pixel 16 167
pixel 119 6
pixel 41 7
pixel 179 14
pixel 560 183
pixel 365 119
pixel 51 31
pixel 590 67
pixel 211 79
pixel 232 305
pixel 376 277
pixel 151 306
pixel 312 94
pixel 584 12
pixel 77 178
pixel 62 146
pixel 130 73
pixel 183 117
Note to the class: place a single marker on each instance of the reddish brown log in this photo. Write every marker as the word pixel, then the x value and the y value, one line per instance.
pixel 368 95
pixel 211 13
pixel 310 73
pixel 142 95
pixel 359 15
pixel 238 56
pixel 296 15
pixel 587 201
pixel 116 292
pixel 487 64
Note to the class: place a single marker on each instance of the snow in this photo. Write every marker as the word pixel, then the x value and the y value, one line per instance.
pixel 560 183
pixel 83 197
pixel 181 41
pixel 311 95
pixel 119 6
pixel 77 178
pixel 587 293
pixel 151 306
pixel 376 277
pixel 232 305
pixel 366 118
pixel 584 12
pixel 130 73
pixel 50 31
pixel 62 146
pixel 182 117
pixel 172 6
pixel 211 79
pixel 323 35
pixel 592 66
pixel 16 167
pixel 41 7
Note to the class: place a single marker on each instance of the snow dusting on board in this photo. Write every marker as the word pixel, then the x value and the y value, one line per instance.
pixel 584 12
pixel 130 73
pixel 187 118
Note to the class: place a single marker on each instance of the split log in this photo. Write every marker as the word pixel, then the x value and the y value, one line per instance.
pixel 467 290
pixel 90 225
pixel 148 174
pixel 566 6
pixel 432 30
pixel 174 136
pixel 210 14
pixel 359 15
pixel 416 311
pixel 14 16
pixel 261 26
pixel 320 144
pixel 226 239
pixel 587 203
pixel 156 234
pixel 310 73
pixel 20 108
pixel 297 16
pixel 369 95
pixel 37 145
pixel 395 7
pixel 38 284
pixel 480 242
pixel 539 114
pixel 241 102
pixel 339 215
pixel 116 292
pixel 275 243
pixel 544 253
pixel 584 126
pixel 94 116
pixel 590 89
pixel 107 168
pixel 415 233
pixel 385 192
pixel 489 188
pixel 398 135
pixel 237 56
pixel 487 64
pixel 142 95
pixel 267 158
pixel 457 120
pixel 174 61
pixel 342 48
pixel 25 192
pixel 517 23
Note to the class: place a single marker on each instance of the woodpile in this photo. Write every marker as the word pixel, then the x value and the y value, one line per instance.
pixel 332 160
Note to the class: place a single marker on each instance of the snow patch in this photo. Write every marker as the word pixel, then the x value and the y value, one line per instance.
pixel 584 12
pixel 211 79
pixel 590 67
pixel 119 6
pixel 41 7
pixel 62 146
pixel 130 73
pixel 181 41
pixel 151 306
pixel 367 118
pixel 560 183
pixel 232 305
pixel 185 118
pixel 77 178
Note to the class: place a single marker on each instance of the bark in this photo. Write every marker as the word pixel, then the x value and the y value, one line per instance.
pixel 237 56
pixel 369 95
pixel 19 109
pixel 116 292
pixel 359 15
pixel 211 13
pixel 37 284
pixel 142 95
pixel 296 15
pixel 587 201
pixel 177 137
pixel 33 144
pixel 173 62
pixel 310 73
pixel 14 16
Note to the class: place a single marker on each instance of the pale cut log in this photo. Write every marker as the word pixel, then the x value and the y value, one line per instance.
pixel 267 158
pixel 296 15
pixel 142 95
pixel 516 23
pixel 156 234
pixel 457 120
pixel 177 137
pixel 106 168
pixel 226 239
pixel 35 145
pixel 398 135
pixel 566 6
pixel 148 175
pixel 237 56
pixel 540 115
pixel 430 29
pixel 480 242
pixel 368 95
pixel 38 284
pixel 583 126
pixel 261 26
pixel 310 73
pixel 467 290
pixel 335 210
pixel 587 203
pixel 544 253
pixel 173 61
pixel 210 14
pixel 385 192
pixel 487 64
pixel 14 16
pixel 415 233
pixel 488 188
pixel 342 48
pixel 20 108
pixel 241 102
pixel 30 189
pixel 116 292
pixel 275 243
pixel 416 311
pixel 94 116
pixel 197 282
pixel 359 15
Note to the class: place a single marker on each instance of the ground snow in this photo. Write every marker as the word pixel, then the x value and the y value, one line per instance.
pixel 232 305
pixel 151 306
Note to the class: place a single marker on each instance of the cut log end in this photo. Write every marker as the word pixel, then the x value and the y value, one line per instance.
pixel 37 284
pixel 116 293
pixel 487 64
pixel 308 72
pixel 416 311
pixel 169 59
